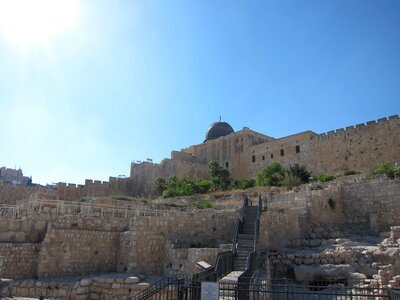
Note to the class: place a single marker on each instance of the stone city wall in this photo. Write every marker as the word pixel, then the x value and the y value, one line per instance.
pixel 359 147
pixel 144 175
pixel 19 260
pixel 73 252
pixel 307 217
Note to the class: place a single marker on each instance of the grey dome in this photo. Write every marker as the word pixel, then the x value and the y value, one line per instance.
pixel 217 130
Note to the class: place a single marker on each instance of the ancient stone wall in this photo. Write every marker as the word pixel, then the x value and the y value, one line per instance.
pixel 73 252
pixel 19 260
pixel 144 175
pixel 150 235
pixel 359 147
pixel 316 213
pixel 117 286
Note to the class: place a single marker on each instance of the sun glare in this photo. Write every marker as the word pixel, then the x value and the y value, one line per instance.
pixel 28 22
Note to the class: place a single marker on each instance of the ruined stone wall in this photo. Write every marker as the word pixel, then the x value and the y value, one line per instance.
pixel 150 235
pixel 310 216
pixel 372 204
pixel 359 147
pixel 73 252
pixel 31 230
pixel 183 260
pixel 19 260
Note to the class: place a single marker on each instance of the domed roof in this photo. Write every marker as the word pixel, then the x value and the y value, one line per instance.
pixel 218 129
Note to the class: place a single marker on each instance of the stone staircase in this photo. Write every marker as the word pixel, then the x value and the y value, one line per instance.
pixel 246 239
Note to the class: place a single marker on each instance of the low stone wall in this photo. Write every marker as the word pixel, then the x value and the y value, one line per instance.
pixel 121 287
pixel 19 260
pixel 72 252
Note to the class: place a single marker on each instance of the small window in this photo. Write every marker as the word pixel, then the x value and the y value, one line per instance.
pixel 282 152
pixel 263 157
pixel 272 156
pixel 297 149
pixel 253 158
pixel 227 164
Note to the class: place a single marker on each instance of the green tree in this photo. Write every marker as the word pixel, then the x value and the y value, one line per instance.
pixel 220 177
pixel 272 175
pixel 301 172
pixel 161 185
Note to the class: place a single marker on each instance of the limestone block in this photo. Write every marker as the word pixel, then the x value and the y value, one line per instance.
pixel 82 290
pixel 131 279
pixel 86 282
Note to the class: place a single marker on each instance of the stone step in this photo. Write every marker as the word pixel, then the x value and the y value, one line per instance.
pixel 243 236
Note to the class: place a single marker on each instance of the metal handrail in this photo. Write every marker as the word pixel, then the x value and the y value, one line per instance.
pixel 239 223
pixel 157 287
pixel 223 265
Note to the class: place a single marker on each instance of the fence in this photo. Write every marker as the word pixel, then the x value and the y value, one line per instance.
pixel 185 289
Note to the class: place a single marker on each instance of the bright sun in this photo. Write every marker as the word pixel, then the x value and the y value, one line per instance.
pixel 27 22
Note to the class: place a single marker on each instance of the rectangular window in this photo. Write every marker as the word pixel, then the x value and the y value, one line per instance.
pixel 253 158
pixel 282 152
pixel 263 157
pixel 227 164
pixel 297 149
pixel 272 156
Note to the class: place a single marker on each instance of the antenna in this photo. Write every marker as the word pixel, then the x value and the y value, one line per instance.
pixel 220 118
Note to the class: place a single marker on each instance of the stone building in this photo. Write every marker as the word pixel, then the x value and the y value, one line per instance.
pixel 245 152
pixel 13 176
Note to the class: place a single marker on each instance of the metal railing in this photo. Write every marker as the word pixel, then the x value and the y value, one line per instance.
pixel 167 288
pixel 223 265
pixel 239 222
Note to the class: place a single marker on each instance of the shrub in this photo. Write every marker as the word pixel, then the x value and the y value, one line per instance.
pixel 300 171
pixel 291 181
pixel 271 175
pixel 179 187
pixel 244 183
pixel 351 172
pixel 387 168
pixel 203 186
pixel 324 177
pixel 203 203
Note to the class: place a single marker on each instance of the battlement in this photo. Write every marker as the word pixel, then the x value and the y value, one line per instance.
pixel 383 123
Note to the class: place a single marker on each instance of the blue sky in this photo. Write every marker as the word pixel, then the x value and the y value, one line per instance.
pixel 132 80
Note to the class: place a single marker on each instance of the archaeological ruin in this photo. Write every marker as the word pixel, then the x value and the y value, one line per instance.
pixel 118 240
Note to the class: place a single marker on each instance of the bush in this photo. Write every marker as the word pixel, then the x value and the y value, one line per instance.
pixel 179 187
pixel 203 204
pixel 291 181
pixel 203 186
pixel 243 184
pixel 324 177
pixel 389 169
pixel 351 172
pixel 271 175
pixel 300 172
